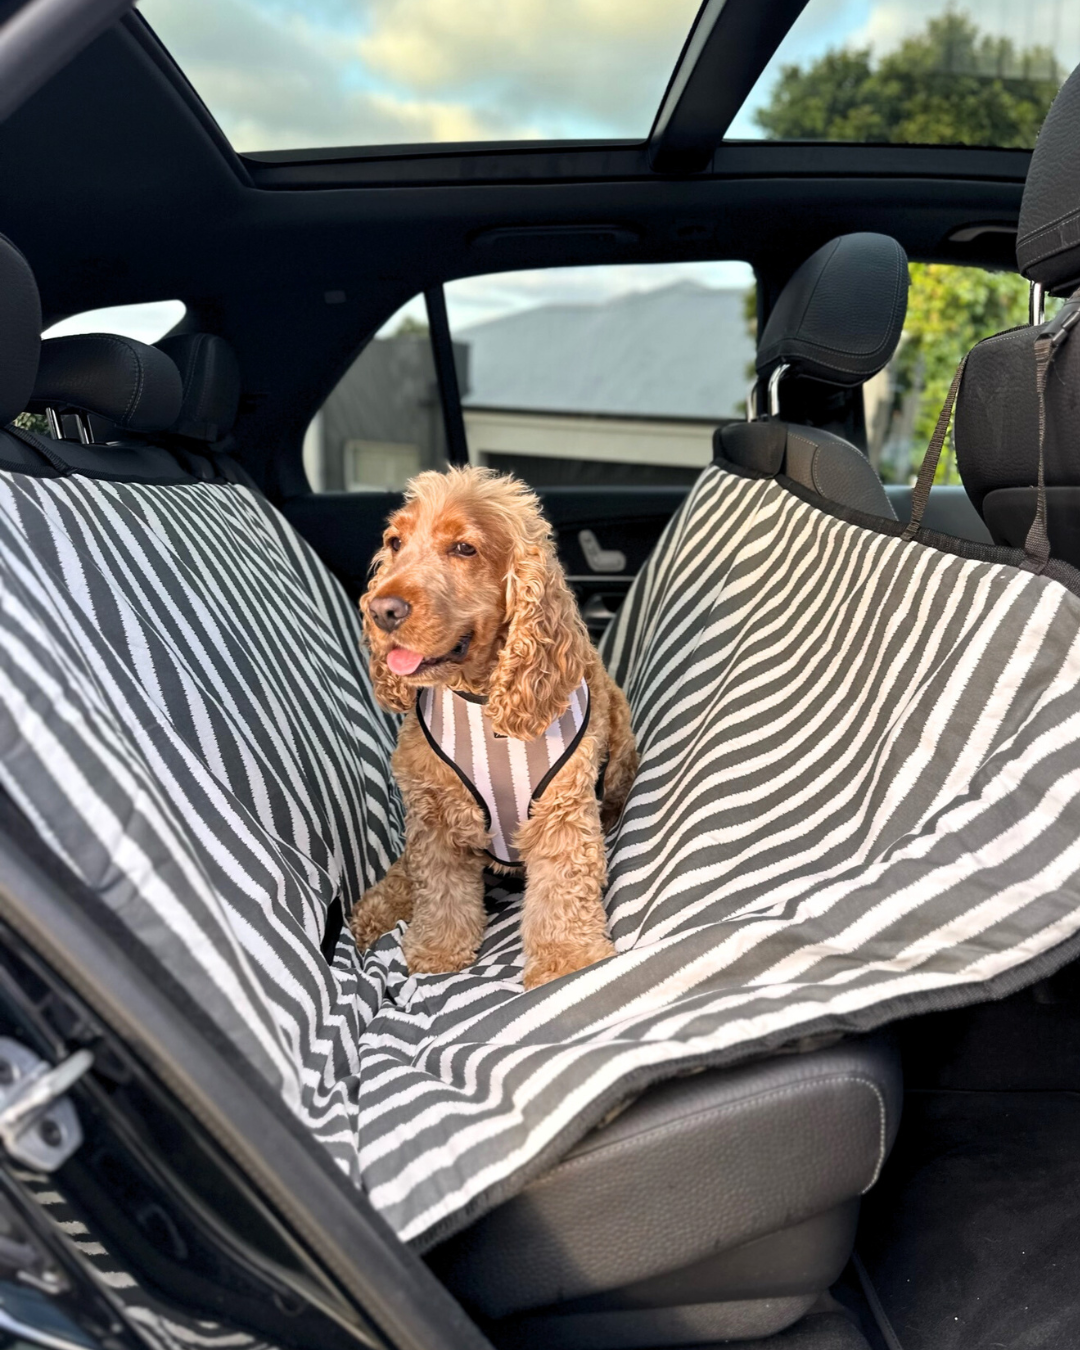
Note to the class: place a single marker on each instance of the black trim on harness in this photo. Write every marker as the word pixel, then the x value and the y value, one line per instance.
pixel 545 781
pixel 467 781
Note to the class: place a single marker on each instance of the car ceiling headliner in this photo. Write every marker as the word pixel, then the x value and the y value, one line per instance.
pixel 119 187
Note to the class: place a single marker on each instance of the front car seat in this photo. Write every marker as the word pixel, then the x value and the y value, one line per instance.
pixel 996 425
pixel 838 322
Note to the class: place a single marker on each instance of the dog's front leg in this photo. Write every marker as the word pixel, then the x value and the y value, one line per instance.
pixel 563 924
pixel 446 875
pixel 382 906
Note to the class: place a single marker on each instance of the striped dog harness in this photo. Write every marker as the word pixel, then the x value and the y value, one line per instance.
pixel 505 775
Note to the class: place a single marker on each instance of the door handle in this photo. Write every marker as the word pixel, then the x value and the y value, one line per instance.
pixel 596 611
pixel 601 559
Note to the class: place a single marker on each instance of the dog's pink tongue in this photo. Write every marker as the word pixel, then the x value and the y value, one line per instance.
pixel 402 661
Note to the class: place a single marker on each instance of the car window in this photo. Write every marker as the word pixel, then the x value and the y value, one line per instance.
pixel 602 375
pixel 383 421
pixel 281 74
pixel 144 322
pixel 950 309
pixel 921 72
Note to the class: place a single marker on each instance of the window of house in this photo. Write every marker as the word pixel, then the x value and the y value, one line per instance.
pixel 602 375
pixel 383 421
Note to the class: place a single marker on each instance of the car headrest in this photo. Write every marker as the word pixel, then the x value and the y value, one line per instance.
pixel 839 317
pixel 21 326
pixel 210 374
pixel 1048 236
pixel 134 386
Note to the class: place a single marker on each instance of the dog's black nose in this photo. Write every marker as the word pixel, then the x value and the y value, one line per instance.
pixel 389 611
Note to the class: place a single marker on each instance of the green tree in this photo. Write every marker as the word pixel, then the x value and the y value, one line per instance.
pixel 949 310
pixel 949 84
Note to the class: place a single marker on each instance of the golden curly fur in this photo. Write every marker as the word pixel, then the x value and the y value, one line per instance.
pixel 471 554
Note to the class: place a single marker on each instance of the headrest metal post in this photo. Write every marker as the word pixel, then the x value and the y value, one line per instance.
pixel 751 402
pixel 1036 304
pixel 774 388
pixel 82 424
pixel 56 430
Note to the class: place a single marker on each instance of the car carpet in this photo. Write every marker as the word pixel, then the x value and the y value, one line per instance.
pixel 818 1331
pixel 972 1238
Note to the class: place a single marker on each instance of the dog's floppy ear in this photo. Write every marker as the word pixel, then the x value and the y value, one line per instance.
pixel 390 689
pixel 543 659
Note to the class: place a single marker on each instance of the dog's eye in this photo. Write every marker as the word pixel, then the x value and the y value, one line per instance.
pixel 393 544
pixel 462 550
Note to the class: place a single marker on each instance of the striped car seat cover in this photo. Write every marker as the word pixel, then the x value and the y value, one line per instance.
pixel 857 799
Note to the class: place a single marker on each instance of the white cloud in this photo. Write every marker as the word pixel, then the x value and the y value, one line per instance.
pixel 559 61
pixel 282 81
pixel 280 74
pixel 475 299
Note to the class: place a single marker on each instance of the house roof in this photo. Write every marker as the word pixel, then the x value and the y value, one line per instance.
pixel 677 351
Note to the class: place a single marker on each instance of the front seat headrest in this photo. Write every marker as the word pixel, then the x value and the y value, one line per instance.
pixel 134 386
pixel 1048 236
pixel 210 374
pixel 839 317
pixel 20 316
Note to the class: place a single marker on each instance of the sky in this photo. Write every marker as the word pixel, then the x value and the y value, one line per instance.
pixel 287 74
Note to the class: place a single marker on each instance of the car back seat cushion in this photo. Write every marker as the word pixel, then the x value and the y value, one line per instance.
pixel 858 798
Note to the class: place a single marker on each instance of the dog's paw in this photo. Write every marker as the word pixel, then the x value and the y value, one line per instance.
pixel 427 959
pixel 549 963
pixel 368 925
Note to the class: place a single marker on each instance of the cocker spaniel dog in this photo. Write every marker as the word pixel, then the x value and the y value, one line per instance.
pixel 513 728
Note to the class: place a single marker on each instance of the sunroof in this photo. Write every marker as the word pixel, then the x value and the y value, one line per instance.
pixel 920 72
pixel 291 74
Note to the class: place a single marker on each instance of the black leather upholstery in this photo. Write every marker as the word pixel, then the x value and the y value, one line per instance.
pixel 810 456
pixel 837 320
pixel 20 323
pixel 839 317
pixel 996 426
pixel 997 414
pixel 1048 238
pixel 210 374
pixel 135 387
pixel 696 1167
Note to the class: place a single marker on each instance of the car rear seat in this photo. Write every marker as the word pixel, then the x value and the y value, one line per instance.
pixel 838 321
pixel 717 1205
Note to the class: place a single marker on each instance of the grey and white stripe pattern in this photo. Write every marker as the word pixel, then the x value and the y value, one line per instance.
pixel 161 1325
pixel 858 798
pixel 504 774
